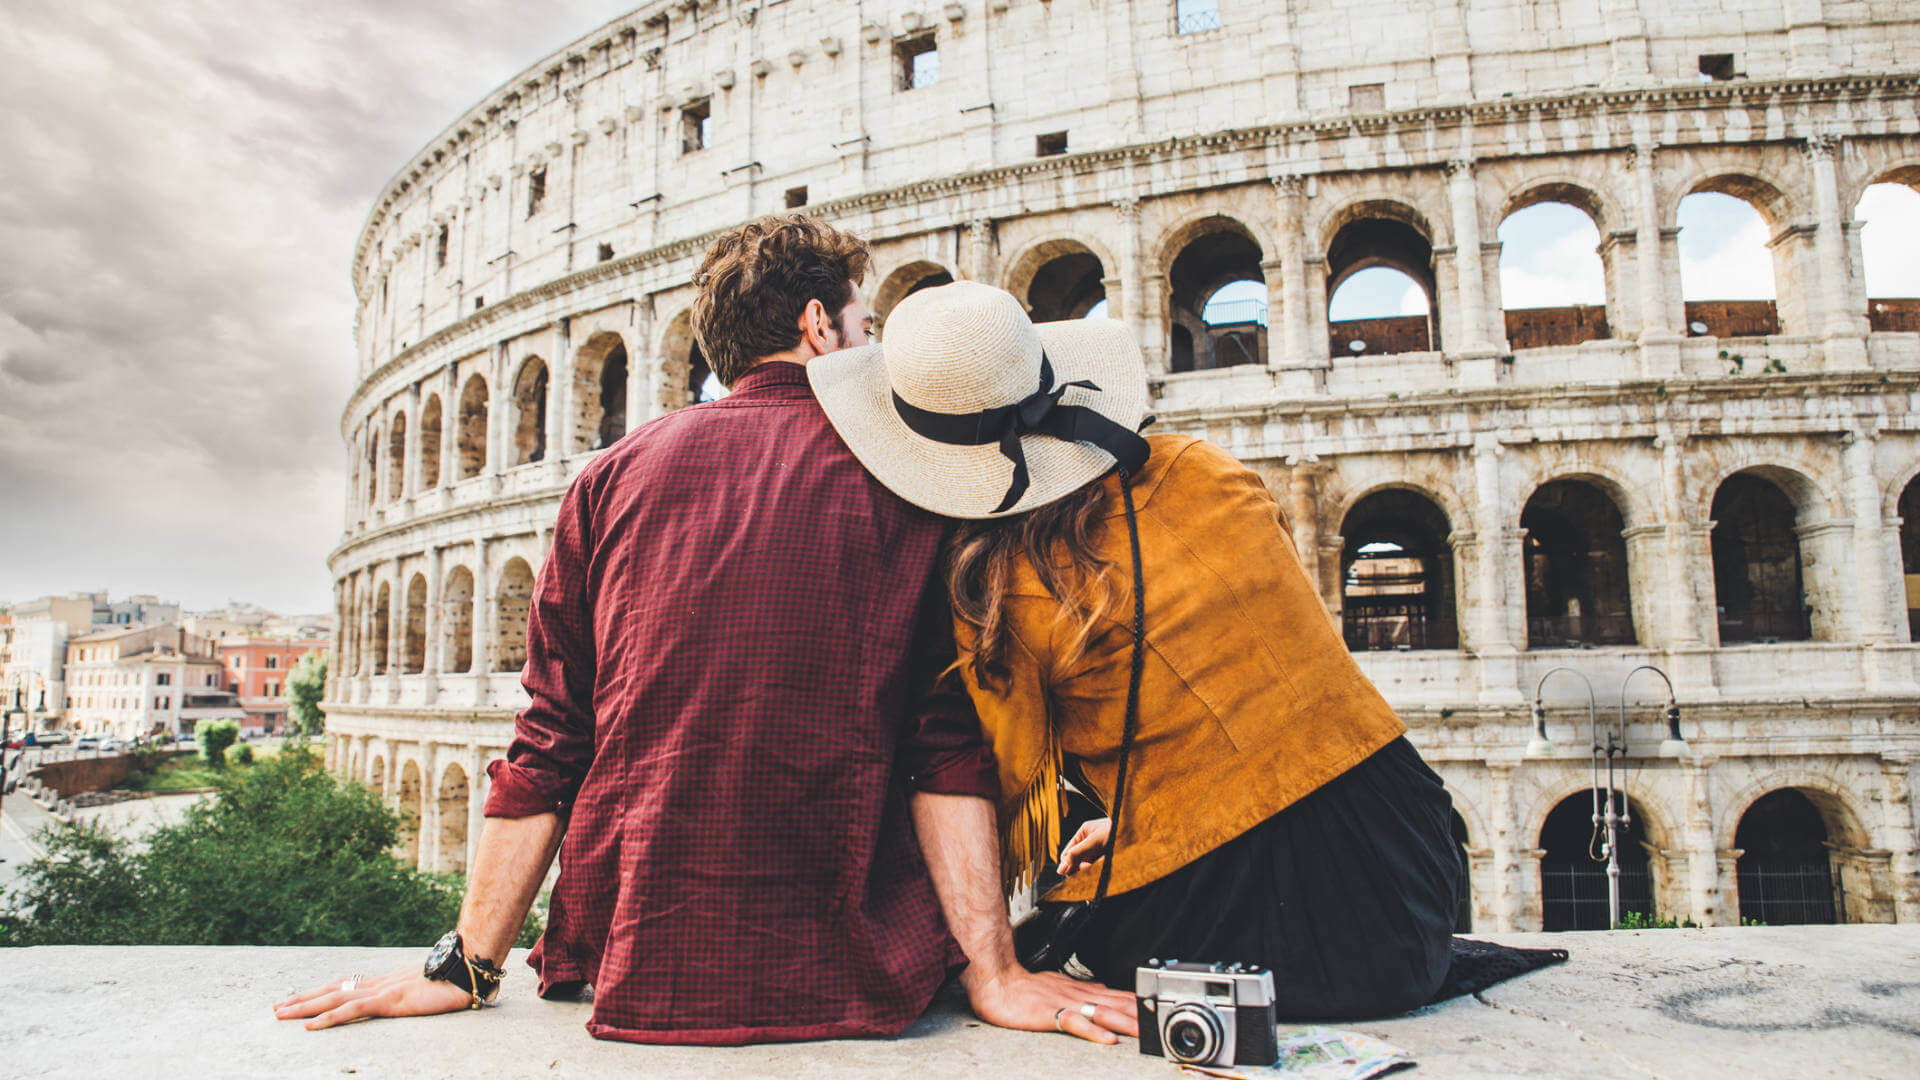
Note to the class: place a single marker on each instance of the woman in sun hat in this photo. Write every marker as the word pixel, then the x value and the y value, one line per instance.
pixel 1132 616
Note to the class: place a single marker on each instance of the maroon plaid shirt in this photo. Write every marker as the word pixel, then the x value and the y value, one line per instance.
pixel 728 655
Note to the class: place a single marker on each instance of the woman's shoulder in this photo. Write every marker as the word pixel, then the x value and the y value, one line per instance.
pixel 1179 465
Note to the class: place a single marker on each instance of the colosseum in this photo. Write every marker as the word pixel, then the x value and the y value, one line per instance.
pixel 1504 502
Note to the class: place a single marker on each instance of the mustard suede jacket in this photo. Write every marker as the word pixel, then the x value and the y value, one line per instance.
pixel 1249 699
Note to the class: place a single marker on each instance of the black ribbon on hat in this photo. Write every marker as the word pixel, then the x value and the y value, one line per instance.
pixel 1039 413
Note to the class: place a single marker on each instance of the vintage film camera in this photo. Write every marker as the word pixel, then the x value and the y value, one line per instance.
pixel 1207 1014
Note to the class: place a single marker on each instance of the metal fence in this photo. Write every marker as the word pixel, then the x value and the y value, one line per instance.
pixel 1786 892
pixel 1196 16
pixel 1573 631
pixel 1573 895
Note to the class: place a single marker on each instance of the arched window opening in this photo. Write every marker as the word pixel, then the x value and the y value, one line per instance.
pixel 1726 267
pixel 382 621
pixel 430 434
pixel 1576 568
pixel 456 654
pixel 373 469
pixel 377 775
pixel 1786 869
pixel 453 821
pixel 1237 334
pixel 1396 573
pixel 397 458
pixel 702 383
pixel 600 393
pixel 1066 286
pixel 410 809
pixel 1552 284
pixel 514 598
pixel 473 428
pixel 1573 872
pixel 1098 311
pixel 1180 354
pixel 1758 592
pixel 530 412
pixel 695 382
pixel 1890 252
pixel 415 646
pixel 1463 896
pixel 1910 554
pixel 1380 288
pixel 904 282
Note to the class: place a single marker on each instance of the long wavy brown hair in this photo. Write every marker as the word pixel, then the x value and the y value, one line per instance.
pixel 1059 540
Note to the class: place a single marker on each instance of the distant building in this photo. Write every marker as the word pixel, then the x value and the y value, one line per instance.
pixel 138 610
pixel 256 670
pixel 238 620
pixel 33 651
pixel 144 680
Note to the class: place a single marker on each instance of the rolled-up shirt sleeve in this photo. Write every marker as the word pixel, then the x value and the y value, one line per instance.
pixel 553 736
pixel 941 748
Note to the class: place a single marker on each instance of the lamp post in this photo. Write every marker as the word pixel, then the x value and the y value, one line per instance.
pixel 1603 816
pixel 1674 745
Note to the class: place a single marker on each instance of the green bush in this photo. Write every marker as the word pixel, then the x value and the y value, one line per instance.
pixel 283 854
pixel 305 687
pixel 1636 920
pixel 243 755
pixel 214 736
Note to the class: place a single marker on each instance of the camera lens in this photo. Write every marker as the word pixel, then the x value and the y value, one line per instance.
pixel 1192 1033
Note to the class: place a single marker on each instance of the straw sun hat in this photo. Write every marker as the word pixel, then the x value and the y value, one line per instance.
pixel 970 410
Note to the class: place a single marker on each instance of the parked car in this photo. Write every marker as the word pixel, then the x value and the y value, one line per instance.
pixel 54 738
pixel 112 746
pixel 88 742
pixel 19 742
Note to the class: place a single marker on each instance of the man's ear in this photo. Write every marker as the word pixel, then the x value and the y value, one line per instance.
pixel 816 329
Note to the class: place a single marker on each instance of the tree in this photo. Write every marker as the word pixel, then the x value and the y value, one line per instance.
pixel 283 854
pixel 214 736
pixel 305 687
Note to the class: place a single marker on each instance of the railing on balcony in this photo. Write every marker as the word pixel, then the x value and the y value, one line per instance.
pixel 1575 631
pixel 1535 328
pixel 1894 314
pixel 1385 627
pixel 1732 318
pixel 1765 627
pixel 1376 337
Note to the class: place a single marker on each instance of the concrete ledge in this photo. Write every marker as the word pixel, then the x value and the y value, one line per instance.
pixel 1755 1002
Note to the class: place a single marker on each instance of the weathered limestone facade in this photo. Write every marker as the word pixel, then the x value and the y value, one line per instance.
pixel 523 294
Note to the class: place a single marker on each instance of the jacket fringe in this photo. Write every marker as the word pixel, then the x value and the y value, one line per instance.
pixel 1030 835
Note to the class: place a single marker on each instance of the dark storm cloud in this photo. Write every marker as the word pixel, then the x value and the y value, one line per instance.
pixel 179 201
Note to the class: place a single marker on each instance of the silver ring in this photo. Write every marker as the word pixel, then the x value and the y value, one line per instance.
pixel 1056 1018
pixel 351 982
pixel 1088 1010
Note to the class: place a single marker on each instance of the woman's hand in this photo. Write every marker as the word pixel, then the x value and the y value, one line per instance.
pixel 1086 847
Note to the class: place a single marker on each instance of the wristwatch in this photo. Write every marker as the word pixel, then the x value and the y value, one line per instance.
pixel 449 962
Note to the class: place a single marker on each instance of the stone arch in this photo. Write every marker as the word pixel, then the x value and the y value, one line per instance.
pixel 456 606
pixel 1888 311
pixel 1573 883
pixel 1384 205
pixel 410 809
pixel 1200 257
pixel 377 774
pixel 382 623
pixel 1751 186
pixel 905 280
pixel 1762 590
pixel 1893 169
pixel 431 422
pixel 530 411
pixel 414 647
pixel 1532 325
pixel 1575 565
pixel 472 444
pixel 1661 829
pixel 1061 276
pixel 600 373
pixel 513 602
pixel 453 794
pixel 1811 501
pixel 1841 812
pixel 1397 573
pixel 1381 233
pixel 683 369
pixel 1451 507
pixel 372 472
pixel 397 457
pixel 1745 315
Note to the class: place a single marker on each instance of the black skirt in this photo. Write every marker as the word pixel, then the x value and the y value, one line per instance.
pixel 1348 895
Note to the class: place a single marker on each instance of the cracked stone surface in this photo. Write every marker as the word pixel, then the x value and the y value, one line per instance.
pixel 1746 1002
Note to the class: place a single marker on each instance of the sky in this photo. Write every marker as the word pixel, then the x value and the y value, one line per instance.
pixel 180 194
pixel 179 199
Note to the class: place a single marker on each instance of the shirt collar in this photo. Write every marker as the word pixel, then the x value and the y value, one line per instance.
pixel 769 375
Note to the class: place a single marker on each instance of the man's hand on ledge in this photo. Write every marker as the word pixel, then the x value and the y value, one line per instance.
pixel 1043 1001
pixel 406 992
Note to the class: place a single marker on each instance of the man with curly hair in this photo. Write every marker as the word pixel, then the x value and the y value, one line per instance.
pixel 769 802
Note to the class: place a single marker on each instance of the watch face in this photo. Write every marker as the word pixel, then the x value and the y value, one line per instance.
pixel 442 952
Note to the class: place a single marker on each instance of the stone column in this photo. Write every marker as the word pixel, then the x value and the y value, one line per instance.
pixel 483 620
pixel 1898 837
pixel 1314 265
pixel 1465 326
pixel 449 428
pixel 1302 518
pixel 1125 303
pixel 1499 561
pixel 560 395
pixel 429 808
pixel 980 250
pixel 410 468
pixel 396 632
pixel 434 629
pixel 1291 342
pixel 1505 903
pixel 638 340
pixel 1863 502
pixel 477 782
pixel 1659 344
pixel 1842 299
pixel 1703 878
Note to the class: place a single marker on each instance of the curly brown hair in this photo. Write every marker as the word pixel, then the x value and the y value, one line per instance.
pixel 758 278
pixel 1061 541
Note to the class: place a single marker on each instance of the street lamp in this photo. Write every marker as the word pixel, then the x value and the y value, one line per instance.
pixel 1673 746
pixel 1615 746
